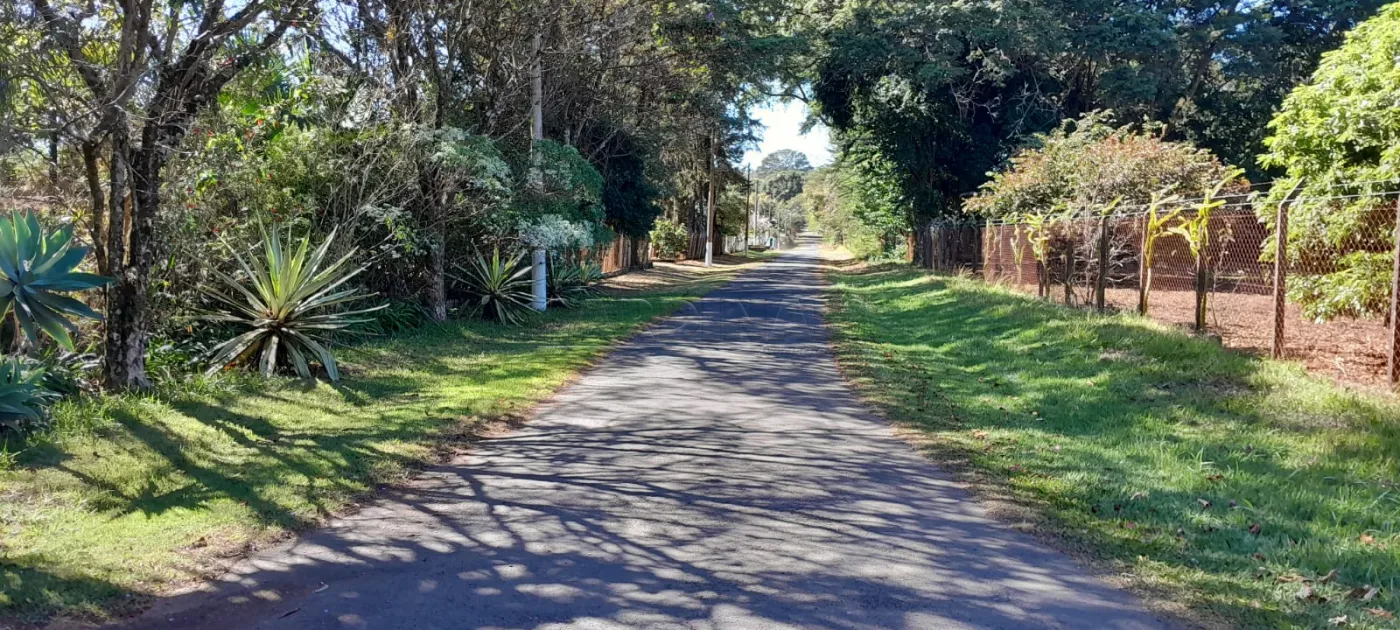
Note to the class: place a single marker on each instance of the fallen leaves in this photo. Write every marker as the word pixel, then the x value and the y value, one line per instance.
pixel 1364 593
pixel 1255 528
pixel 1380 612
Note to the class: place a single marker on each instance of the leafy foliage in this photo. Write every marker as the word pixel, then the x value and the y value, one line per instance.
pixel 784 160
pixel 499 286
pixel 37 267
pixel 1340 137
pixel 668 239
pixel 1088 163
pixel 286 301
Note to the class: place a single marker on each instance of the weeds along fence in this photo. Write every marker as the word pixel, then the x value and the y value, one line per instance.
pixel 1230 274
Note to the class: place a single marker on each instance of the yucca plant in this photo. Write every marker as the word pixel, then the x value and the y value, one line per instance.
pixel 570 282
pixel 499 285
pixel 23 398
pixel 288 303
pixel 36 269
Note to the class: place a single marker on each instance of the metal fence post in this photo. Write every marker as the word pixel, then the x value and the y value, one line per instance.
pixel 1280 276
pixel 1101 284
pixel 1393 364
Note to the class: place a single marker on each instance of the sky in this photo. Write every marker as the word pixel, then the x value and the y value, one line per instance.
pixel 783 122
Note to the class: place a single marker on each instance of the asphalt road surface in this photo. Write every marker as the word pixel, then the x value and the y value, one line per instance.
pixel 714 472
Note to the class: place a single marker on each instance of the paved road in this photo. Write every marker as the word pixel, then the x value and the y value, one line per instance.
pixel 712 473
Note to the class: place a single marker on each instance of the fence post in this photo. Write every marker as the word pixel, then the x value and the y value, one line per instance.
pixel 1101 284
pixel 1069 275
pixel 1280 276
pixel 1393 364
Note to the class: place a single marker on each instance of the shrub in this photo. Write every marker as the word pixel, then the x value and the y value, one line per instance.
pixel 1339 129
pixel 668 239
pixel 1089 163
pixel 286 302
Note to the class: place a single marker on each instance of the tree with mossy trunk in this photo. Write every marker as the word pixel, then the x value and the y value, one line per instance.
pixel 153 78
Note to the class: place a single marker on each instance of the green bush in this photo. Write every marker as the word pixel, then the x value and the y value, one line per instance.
pixel 1339 129
pixel 668 239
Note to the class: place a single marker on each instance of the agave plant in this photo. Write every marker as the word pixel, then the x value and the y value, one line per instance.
pixel 499 285
pixel 36 269
pixel 23 399
pixel 288 303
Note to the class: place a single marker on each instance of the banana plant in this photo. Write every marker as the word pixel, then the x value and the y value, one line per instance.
pixel 37 269
pixel 1039 226
pixel 1196 232
pixel 287 301
pixel 1018 250
pixel 1154 227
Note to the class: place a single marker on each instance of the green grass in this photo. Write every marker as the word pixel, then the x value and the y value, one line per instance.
pixel 130 495
pixel 1139 445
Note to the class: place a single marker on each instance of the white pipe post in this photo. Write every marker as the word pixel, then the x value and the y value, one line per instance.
pixel 540 270
pixel 538 273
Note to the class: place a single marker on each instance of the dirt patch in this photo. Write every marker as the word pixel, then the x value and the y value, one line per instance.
pixel 670 273
pixel 1350 351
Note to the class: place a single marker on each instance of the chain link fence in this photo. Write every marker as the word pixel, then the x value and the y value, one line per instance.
pixel 1215 274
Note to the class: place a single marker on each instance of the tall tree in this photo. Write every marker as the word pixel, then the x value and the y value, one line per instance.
pixel 163 63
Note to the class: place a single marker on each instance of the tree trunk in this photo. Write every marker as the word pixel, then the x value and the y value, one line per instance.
pixel 126 317
pixel 432 196
pixel 90 149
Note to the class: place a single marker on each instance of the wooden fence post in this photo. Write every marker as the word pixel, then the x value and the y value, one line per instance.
pixel 1101 284
pixel 1069 275
pixel 1393 364
pixel 1280 276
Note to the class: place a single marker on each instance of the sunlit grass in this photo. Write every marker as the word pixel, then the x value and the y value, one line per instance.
pixel 1152 450
pixel 129 495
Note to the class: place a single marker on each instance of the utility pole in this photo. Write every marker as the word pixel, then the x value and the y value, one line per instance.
pixel 710 221
pixel 748 190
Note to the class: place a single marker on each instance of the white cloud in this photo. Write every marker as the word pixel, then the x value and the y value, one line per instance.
pixel 783 124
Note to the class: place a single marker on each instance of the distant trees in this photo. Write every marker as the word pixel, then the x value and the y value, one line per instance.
pixel 946 91
pixel 783 160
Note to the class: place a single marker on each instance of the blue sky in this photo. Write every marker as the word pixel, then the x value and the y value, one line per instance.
pixel 783 123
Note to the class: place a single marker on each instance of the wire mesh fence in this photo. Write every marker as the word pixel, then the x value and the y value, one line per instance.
pixel 1327 305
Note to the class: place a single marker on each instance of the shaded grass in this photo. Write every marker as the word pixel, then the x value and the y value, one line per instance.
pixel 1142 446
pixel 129 495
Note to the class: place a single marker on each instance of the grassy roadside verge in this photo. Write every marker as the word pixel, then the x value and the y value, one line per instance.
pixel 1229 485
pixel 136 494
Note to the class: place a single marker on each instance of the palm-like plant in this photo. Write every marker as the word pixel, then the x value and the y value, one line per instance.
pixel 23 398
pixel 499 285
pixel 287 303
pixel 36 269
